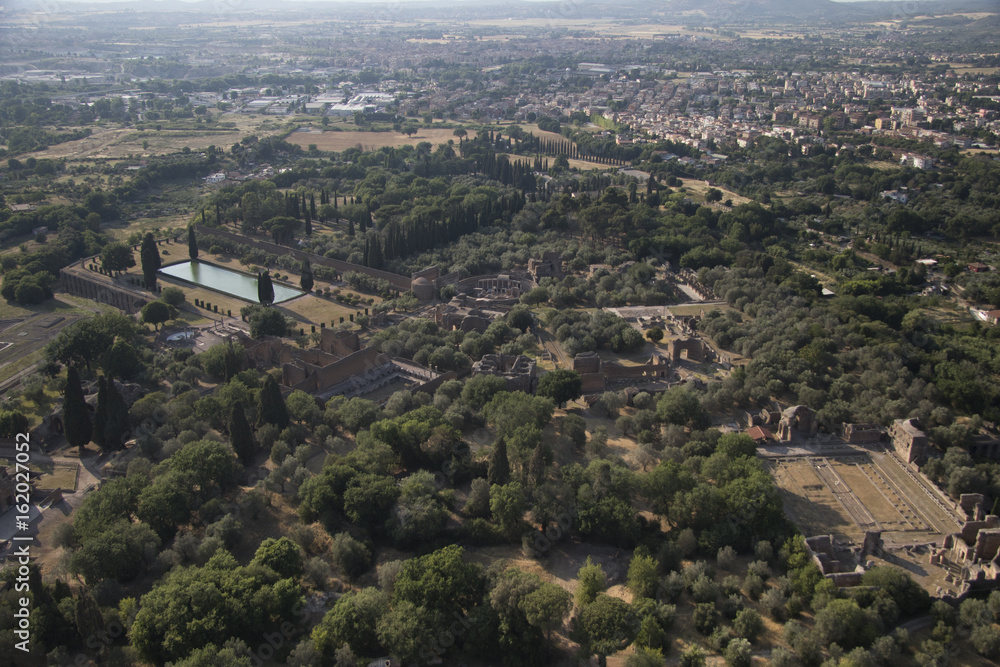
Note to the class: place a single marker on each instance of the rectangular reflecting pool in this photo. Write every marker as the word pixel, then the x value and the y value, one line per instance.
pixel 218 278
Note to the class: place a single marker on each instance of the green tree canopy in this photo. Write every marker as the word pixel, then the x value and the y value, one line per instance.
pixel 352 620
pixel 590 581
pixel 117 257
pixel 281 555
pixel 440 581
pixel 507 504
pixel 681 406
pixel 561 385
pixel 120 552
pixel 89 339
pixel 609 623
pixel 192 607
pixel 156 313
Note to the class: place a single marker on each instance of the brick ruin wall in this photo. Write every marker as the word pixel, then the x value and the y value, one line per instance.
pixel 97 289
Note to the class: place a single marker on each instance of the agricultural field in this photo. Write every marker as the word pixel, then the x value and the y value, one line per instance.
pixel 130 143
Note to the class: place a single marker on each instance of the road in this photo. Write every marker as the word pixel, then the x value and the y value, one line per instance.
pixel 550 344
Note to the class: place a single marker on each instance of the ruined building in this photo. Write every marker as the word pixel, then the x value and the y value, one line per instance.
pixel 797 421
pixel 908 440
pixel 340 366
pixel 517 371
pixel 596 374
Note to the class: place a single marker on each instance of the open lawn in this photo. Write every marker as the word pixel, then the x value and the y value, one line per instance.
pixel 370 141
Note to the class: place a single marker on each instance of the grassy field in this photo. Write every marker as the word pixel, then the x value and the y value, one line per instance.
pixel 370 141
pixel 699 188
pixel 38 325
pixel 53 475
pixel 610 28
pixel 128 142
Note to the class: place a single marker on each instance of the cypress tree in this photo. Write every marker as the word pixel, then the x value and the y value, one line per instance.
pixel 241 435
pixel 88 617
pixel 307 276
pixel 149 256
pixel 312 204
pixel 499 469
pixel 271 408
pixel 192 244
pixel 116 428
pixel 309 224
pixel 232 361
pixel 350 228
pixel 75 413
pixel 101 416
pixel 265 289
pixel 536 468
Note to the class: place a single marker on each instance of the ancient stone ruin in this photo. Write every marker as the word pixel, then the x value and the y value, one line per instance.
pixel 517 371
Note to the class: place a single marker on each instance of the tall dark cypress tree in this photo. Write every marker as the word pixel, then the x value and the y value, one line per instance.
pixel 536 468
pixel 75 413
pixel 307 276
pixel 271 409
pixel 116 428
pixel 241 435
pixel 312 204
pixel 265 289
pixel 192 244
pixel 499 469
pixel 101 416
pixel 149 256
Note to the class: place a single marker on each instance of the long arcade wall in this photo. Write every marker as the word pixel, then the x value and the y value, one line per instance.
pixel 97 288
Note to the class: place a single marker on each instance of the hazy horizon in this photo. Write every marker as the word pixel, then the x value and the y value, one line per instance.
pixel 384 2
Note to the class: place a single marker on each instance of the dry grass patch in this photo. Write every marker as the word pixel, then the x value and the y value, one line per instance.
pixel 370 141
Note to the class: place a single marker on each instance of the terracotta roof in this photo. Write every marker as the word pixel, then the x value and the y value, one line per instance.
pixel 759 433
